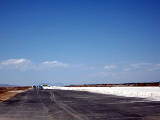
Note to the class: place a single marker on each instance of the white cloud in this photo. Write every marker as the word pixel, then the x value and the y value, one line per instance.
pixel 21 64
pixel 14 61
pixel 54 64
pixel 140 65
pixel 155 68
pixel 110 67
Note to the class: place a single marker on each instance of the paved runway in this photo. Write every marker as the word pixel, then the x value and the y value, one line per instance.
pixel 76 105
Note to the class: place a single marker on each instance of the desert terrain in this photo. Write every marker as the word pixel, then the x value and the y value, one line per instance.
pixel 8 92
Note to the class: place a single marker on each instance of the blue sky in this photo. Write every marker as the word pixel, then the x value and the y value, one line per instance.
pixel 79 41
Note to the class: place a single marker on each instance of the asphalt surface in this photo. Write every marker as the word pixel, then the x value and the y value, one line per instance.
pixel 76 105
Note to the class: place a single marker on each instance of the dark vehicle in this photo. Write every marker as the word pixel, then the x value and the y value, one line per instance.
pixel 39 87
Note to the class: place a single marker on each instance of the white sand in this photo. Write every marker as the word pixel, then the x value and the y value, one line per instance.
pixel 150 93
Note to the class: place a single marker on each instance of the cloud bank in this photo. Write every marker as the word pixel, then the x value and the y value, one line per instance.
pixel 26 64
pixel 21 64
pixel 110 67
pixel 15 62
pixel 54 64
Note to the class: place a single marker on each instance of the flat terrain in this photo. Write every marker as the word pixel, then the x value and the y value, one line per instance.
pixel 76 105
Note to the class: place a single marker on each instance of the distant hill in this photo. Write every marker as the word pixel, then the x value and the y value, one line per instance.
pixel 118 85
pixel 54 84
pixel 7 85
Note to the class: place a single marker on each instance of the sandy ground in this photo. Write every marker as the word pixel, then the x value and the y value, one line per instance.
pixel 9 92
pixel 150 93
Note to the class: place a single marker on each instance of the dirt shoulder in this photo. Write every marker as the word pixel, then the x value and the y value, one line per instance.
pixel 8 92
